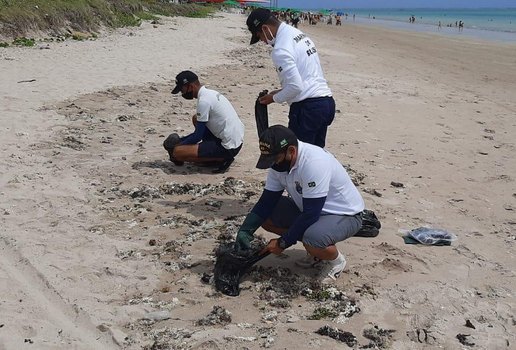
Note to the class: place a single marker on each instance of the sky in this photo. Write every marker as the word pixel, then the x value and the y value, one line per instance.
pixel 307 4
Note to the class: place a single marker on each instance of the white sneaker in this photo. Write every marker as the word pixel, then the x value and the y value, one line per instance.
pixel 330 272
pixel 308 262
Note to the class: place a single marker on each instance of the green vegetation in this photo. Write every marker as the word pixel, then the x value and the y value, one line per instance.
pixel 57 17
pixel 320 295
pixel 322 313
pixel 23 41
pixel 4 44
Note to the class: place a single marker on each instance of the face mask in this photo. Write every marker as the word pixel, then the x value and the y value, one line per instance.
pixel 282 166
pixel 188 95
pixel 272 41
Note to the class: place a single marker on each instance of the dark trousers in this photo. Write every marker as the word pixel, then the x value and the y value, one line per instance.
pixel 309 119
pixel 211 147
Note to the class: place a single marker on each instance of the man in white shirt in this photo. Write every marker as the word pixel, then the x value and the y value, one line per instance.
pixel 303 87
pixel 218 134
pixel 323 207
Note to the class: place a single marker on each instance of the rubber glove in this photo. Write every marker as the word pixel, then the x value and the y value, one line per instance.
pixel 246 232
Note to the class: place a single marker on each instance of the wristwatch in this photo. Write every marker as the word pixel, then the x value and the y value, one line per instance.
pixel 281 243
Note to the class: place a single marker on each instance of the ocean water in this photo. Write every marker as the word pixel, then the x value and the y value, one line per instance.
pixel 502 20
pixel 491 24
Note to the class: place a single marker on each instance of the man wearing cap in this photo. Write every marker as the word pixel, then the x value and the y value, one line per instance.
pixel 303 87
pixel 323 207
pixel 218 134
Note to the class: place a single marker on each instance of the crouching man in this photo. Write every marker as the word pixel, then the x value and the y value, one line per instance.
pixel 218 134
pixel 323 207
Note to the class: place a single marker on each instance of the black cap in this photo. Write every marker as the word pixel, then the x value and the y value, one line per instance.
pixel 273 141
pixel 184 78
pixel 255 21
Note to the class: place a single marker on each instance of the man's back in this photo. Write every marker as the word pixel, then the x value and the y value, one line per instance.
pixel 295 50
pixel 220 117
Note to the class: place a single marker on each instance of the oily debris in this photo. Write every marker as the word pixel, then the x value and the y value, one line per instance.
pixel 232 264
pixel 217 316
pixel 357 177
pixel 338 334
pixel 169 338
pixel 463 339
pixel 279 282
pixel 278 286
pixel 331 303
pixel 268 335
pixel 379 338
pixel 229 187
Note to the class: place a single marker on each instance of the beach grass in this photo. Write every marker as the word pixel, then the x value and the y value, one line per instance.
pixel 56 17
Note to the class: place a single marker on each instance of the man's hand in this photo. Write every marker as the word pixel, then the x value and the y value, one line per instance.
pixel 265 97
pixel 266 100
pixel 273 247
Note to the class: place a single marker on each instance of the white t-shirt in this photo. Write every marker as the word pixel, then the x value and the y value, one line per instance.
pixel 317 173
pixel 220 117
pixel 297 63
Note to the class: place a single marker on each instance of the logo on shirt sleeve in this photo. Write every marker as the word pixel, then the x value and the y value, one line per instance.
pixel 311 184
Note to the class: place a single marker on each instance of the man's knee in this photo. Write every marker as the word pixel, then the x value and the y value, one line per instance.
pixel 269 226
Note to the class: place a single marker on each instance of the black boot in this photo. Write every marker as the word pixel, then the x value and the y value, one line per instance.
pixel 223 167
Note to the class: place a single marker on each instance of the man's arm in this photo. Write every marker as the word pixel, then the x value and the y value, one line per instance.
pixel 196 136
pixel 260 212
pixel 291 84
pixel 288 72
pixel 312 208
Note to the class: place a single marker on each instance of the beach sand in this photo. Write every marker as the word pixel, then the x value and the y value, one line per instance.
pixel 100 230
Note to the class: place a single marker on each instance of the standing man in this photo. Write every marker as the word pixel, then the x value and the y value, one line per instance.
pixel 218 134
pixel 303 87
pixel 323 207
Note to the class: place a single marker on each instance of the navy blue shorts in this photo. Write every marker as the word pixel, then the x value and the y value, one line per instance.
pixel 214 149
pixel 309 119
pixel 326 231
pixel 211 147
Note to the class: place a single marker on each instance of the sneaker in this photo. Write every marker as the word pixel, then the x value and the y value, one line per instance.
pixel 330 272
pixel 308 262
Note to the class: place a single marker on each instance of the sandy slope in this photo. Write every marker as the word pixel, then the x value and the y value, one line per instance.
pixel 94 234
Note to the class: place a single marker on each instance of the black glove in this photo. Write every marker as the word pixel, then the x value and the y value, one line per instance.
pixel 171 141
pixel 169 144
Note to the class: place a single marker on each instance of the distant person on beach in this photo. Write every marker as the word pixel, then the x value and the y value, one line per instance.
pixel 295 21
pixel 461 26
pixel 303 87
pixel 323 206
pixel 439 26
pixel 218 134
